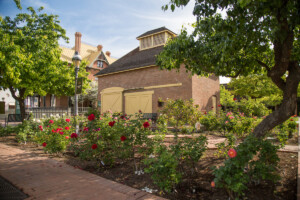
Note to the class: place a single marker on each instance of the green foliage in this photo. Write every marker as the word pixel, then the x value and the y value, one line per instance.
pixel 247 106
pixel 210 121
pixel 163 168
pixel 178 113
pixel 248 38
pixel 256 86
pixel 252 107
pixel 30 57
pixel 286 130
pixel 226 97
pixel 241 170
pixel 55 136
pixel 118 137
pixel 164 164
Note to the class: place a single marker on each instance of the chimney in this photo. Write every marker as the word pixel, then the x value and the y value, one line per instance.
pixel 77 42
pixel 107 53
pixel 99 47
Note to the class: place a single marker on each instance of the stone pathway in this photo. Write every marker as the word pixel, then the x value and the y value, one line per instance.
pixel 44 178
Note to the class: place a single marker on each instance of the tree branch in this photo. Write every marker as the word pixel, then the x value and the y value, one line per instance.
pixel 13 93
pixel 263 64
pixel 236 75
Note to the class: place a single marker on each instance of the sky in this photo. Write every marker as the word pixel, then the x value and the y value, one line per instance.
pixel 114 24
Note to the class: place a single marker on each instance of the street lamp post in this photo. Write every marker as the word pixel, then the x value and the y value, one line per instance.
pixel 76 60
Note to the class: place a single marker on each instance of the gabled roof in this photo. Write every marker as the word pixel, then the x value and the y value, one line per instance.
pixel 87 52
pixel 161 29
pixel 132 60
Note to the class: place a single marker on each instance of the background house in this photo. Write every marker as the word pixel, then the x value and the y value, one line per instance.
pixel 134 82
pixel 96 61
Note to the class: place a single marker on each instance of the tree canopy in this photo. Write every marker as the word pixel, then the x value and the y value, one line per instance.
pixel 254 36
pixel 30 56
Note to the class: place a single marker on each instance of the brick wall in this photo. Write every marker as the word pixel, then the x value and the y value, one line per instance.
pixel 203 89
pixel 92 72
pixel 151 76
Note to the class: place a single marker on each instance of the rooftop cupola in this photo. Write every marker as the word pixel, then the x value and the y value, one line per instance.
pixel 154 38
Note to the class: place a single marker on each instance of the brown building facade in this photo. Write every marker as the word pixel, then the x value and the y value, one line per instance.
pixel 135 83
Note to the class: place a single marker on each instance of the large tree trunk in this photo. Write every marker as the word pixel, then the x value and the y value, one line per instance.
pixel 22 108
pixel 20 99
pixel 288 106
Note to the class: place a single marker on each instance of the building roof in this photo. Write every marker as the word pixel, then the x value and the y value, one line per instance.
pixel 155 31
pixel 132 60
pixel 87 52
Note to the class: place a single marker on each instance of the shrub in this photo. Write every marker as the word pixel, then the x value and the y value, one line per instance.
pixel 179 113
pixel 241 170
pixel 163 168
pixel 164 164
pixel 115 137
pixel 54 134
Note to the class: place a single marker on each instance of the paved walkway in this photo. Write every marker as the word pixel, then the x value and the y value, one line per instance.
pixel 44 178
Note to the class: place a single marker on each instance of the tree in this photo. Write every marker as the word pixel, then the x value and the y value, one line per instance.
pixel 257 86
pixel 30 57
pixel 255 35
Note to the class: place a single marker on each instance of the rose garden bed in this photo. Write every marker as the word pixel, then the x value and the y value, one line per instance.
pixel 194 185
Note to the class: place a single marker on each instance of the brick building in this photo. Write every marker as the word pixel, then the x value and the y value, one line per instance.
pixel 134 82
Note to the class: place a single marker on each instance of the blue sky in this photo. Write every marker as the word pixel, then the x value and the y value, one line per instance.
pixel 115 24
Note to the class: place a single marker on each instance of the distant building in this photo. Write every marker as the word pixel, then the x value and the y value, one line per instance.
pixel 7 102
pixel 96 60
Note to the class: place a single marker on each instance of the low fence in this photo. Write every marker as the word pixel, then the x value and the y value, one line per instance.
pixel 46 112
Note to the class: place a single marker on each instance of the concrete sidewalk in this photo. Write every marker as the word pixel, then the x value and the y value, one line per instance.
pixel 44 178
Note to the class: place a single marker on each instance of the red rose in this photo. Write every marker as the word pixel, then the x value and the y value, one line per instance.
pixel 67 128
pixel 40 127
pixel 51 121
pixel 67 137
pixel 232 153
pixel 123 138
pixel 94 146
pixel 61 133
pixel 91 117
pixel 212 184
pixel 74 135
pixel 234 99
pixel 53 130
pixel 111 124
pixel 146 124
pixel 68 120
pixel 44 144
pixel 219 105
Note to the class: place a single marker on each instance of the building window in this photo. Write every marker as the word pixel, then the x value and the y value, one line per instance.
pixel 100 63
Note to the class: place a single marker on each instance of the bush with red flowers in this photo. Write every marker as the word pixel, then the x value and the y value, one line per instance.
pixel 116 135
pixel 94 146
pixel 146 124
pixel 91 117
pixel 74 135
pixel 68 120
pixel 235 175
pixel 123 138
pixel 111 123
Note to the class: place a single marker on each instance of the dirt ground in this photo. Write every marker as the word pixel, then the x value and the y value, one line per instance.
pixel 193 185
